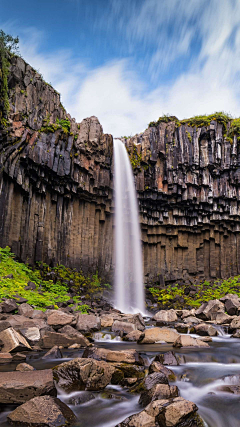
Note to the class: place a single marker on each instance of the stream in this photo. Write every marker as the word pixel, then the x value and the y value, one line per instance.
pixel 197 380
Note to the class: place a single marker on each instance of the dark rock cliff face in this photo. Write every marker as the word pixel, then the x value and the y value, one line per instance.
pixel 56 193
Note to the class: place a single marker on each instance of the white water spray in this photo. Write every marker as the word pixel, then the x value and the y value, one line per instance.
pixel 129 292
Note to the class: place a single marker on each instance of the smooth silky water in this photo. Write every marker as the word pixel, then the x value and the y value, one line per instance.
pixel 197 381
pixel 129 294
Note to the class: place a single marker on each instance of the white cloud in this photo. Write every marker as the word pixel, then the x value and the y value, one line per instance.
pixel 115 93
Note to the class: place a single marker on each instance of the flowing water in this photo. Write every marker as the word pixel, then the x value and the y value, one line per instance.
pixel 198 380
pixel 129 296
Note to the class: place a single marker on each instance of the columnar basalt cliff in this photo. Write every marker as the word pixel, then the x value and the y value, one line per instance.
pixel 56 194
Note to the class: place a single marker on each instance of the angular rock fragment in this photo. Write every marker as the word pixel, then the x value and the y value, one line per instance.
pixel 158 392
pixel 8 306
pixel 50 339
pixel 53 353
pixel 13 341
pixel 166 316
pixel 134 336
pixel 154 335
pixel 18 387
pixel 208 309
pixel 22 367
pixel 83 374
pixel 204 329
pixel 124 327
pixel 158 367
pixel 25 310
pixel 188 341
pixel 123 356
pixel 44 411
pixel 88 323
pixel 59 319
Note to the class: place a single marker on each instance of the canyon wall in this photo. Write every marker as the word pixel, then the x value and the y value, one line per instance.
pixel 56 189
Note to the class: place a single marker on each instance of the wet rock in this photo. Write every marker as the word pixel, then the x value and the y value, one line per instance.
pixel 134 336
pixel 53 353
pixel 106 321
pixel 124 327
pixel 5 358
pixel 188 341
pixel 138 321
pixel 23 367
pixel 18 357
pixel 165 316
pixel 168 358
pixel 176 412
pixel 232 306
pixel 82 397
pixel 154 335
pixel 83 374
pixel 74 346
pixel 186 313
pixel 59 319
pixel 13 341
pixel 88 323
pixel 207 309
pixel 235 323
pixel 75 335
pixel 204 329
pixel 221 318
pixel 234 389
pixel 125 370
pixel 18 387
pixel 205 339
pixel 8 306
pixel 191 320
pixel 158 367
pixel 236 333
pixel 122 356
pixel 50 339
pixel 32 334
pixel 44 411
pixel 25 310
pixel 158 392
pixel 182 328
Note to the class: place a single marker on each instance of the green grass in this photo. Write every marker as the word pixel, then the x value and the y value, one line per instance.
pixel 206 291
pixel 51 292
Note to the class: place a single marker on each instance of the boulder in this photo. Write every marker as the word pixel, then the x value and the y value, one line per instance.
pixel 121 356
pixel 82 397
pixel 182 328
pixel 168 358
pixel 191 320
pixel 44 411
pixel 4 324
pixel 138 321
pixel 18 387
pixel 88 323
pixel 234 389
pixel 207 309
pixel 19 357
pixel 188 341
pixel 126 370
pixel 158 392
pixel 232 306
pixel 59 319
pixel 8 306
pixel 30 286
pixel 154 335
pixel 5 358
pixel 134 336
pixel 221 318
pixel 83 374
pixel 165 316
pixel 38 314
pixel 106 321
pixel 75 335
pixel 13 341
pixel 25 310
pixel 235 323
pixel 186 313
pixel 53 353
pixel 50 339
pixel 32 334
pixel 124 327
pixel 23 367
pixel 204 329
pixel 158 367
pixel 229 297
pixel 176 412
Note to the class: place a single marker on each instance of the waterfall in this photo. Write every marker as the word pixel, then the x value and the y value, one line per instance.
pixel 129 293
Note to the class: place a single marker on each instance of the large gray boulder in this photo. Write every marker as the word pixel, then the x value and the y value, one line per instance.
pixel 154 335
pixel 50 339
pixel 204 329
pixel 25 310
pixel 8 306
pixel 188 341
pixel 166 316
pixel 176 412
pixel 88 323
pixel 120 356
pixel 44 411
pixel 123 327
pixel 13 341
pixel 59 319
pixel 208 309
pixel 158 392
pixel 18 387
pixel 83 374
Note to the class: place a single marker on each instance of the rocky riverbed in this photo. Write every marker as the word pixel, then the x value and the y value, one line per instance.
pixel 175 368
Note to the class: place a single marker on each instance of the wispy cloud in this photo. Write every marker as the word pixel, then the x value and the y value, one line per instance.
pixel 204 33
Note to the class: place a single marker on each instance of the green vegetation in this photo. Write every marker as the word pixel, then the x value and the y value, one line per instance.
pixel 48 292
pixel 63 124
pixel 165 119
pixel 135 158
pixel 205 291
pixel 8 47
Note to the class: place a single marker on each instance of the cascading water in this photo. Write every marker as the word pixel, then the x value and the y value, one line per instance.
pixel 129 292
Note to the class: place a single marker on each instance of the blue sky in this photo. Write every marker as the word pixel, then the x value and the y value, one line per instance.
pixel 130 61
